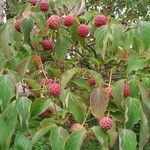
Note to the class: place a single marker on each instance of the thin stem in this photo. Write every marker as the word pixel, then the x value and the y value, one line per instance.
pixel 86 116
pixel 110 78
pixel 55 109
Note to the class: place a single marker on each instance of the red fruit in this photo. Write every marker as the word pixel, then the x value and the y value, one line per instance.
pixel 83 30
pixel 47 44
pixel 44 5
pixel 69 20
pixel 17 25
pixel 54 22
pixel 77 126
pixel 106 123
pixel 100 20
pixel 33 2
pixel 126 90
pixel 55 89
pixel 91 81
pixel 108 90
pixel 47 81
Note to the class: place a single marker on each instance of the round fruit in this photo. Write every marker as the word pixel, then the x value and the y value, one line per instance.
pixel 100 20
pixel 91 81
pixel 54 22
pixel 17 25
pixel 77 126
pixel 33 2
pixel 83 30
pixel 55 89
pixel 108 91
pixel 47 81
pixel 106 123
pixel 44 5
pixel 69 20
pixel 126 90
pixel 47 44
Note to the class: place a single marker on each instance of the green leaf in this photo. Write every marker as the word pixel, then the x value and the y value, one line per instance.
pixel 33 83
pixel 23 66
pixel 133 112
pixel 39 106
pixel 77 107
pixel 60 135
pixel 66 76
pixel 98 102
pixel 102 137
pixel 62 45
pixel 73 31
pixel 127 140
pixel 144 132
pixel 7 90
pixel 8 120
pixel 117 92
pixel 23 106
pixel 41 132
pixel 75 140
pixel 23 142
pixel 26 28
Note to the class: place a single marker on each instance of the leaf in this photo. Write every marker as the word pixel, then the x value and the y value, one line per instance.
pixel 98 102
pixel 73 31
pixel 62 45
pixel 23 66
pixel 26 28
pixel 75 140
pixel 60 135
pixel 66 76
pixel 41 132
pixel 127 140
pixel 118 92
pixel 135 64
pixel 23 105
pixel 102 137
pixel 8 120
pixel 39 105
pixel 23 142
pixel 145 94
pixel 77 108
pixel 33 83
pixel 133 112
pixel 144 132
pixel 7 90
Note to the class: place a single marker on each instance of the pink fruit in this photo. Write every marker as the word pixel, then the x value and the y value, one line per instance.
pixel 91 81
pixel 55 89
pixel 47 81
pixel 108 91
pixel 69 20
pixel 77 126
pixel 47 44
pixel 33 2
pixel 106 123
pixel 83 30
pixel 126 90
pixel 54 22
pixel 100 20
pixel 18 25
pixel 44 5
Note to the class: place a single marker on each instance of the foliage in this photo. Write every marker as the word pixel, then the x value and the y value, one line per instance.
pixel 111 55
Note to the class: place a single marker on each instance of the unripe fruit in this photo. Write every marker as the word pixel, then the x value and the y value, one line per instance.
pixel 108 91
pixel 54 22
pixel 33 2
pixel 77 126
pixel 100 20
pixel 55 89
pixel 47 44
pixel 83 30
pixel 44 5
pixel 47 81
pixel 69 20
pixel 126 90
pixel 91 81
pixel 106 123
pixel 18 25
